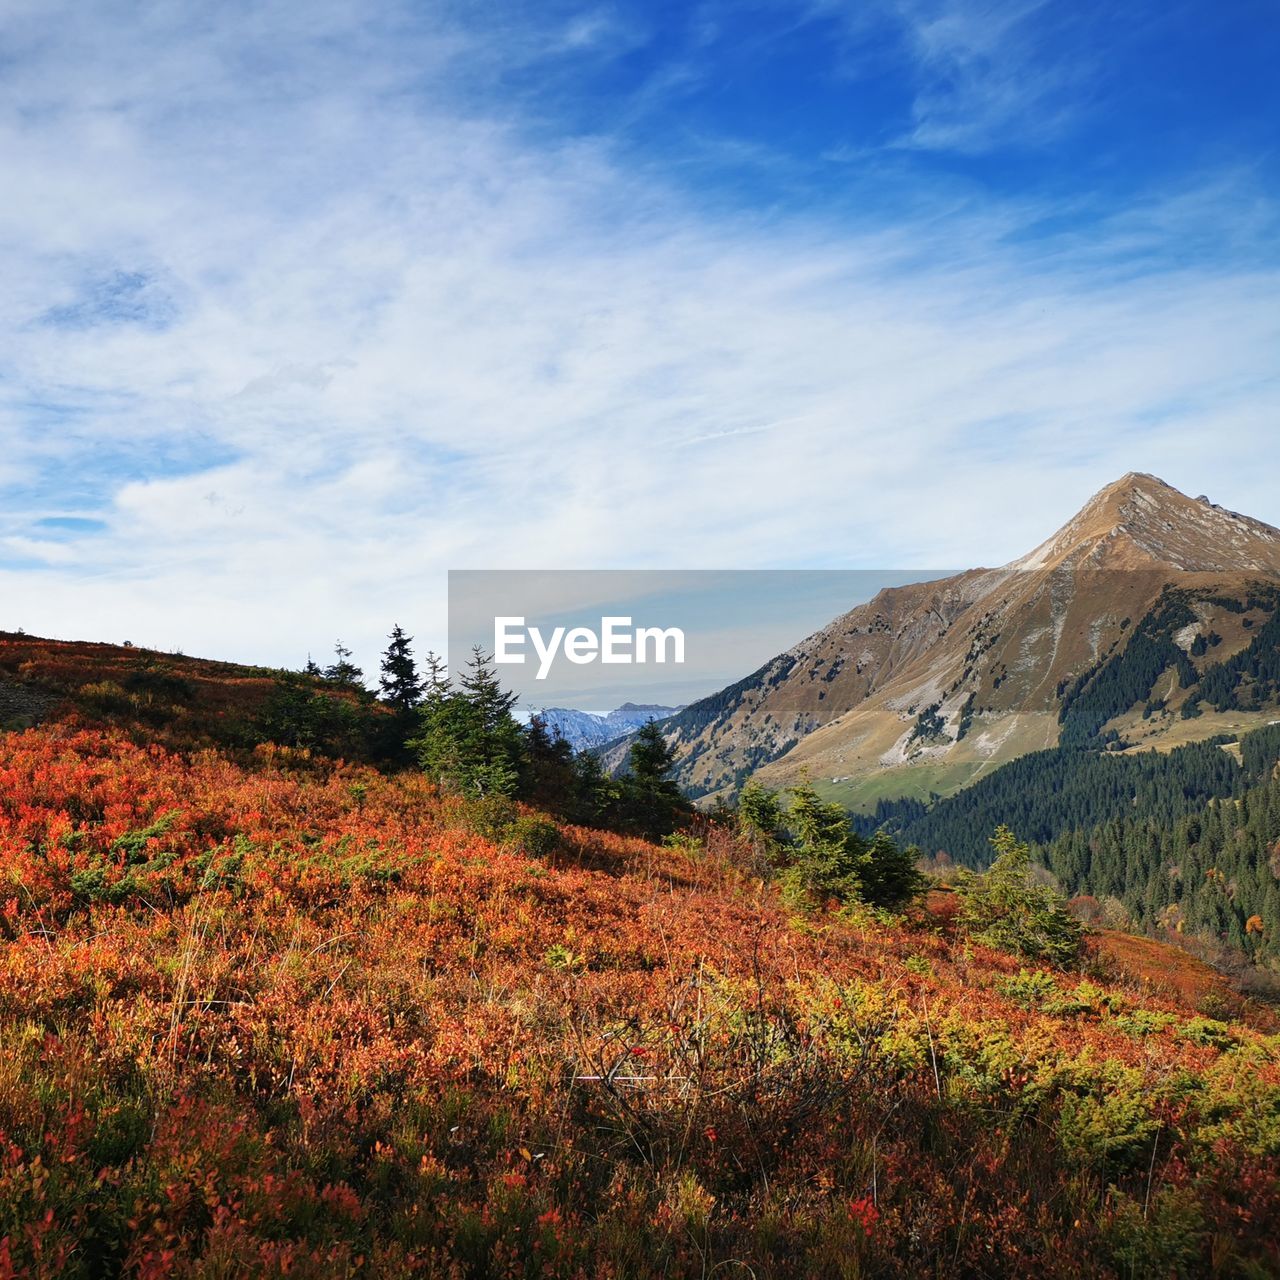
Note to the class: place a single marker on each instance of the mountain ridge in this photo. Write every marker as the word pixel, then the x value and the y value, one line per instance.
pixel 583 730
pixel 927 685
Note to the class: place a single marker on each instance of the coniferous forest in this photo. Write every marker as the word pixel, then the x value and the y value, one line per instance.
pixel 1188 840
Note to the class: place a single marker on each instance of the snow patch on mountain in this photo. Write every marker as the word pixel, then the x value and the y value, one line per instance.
pixel 583 730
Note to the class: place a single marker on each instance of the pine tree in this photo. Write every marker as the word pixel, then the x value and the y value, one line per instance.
pixel 594 792
pixel 890 877
pixel 468 740
pixel 435 684
pixel 652 758
pixel 759 816
pixel 400 683
pixel 343 671
pixel 1005 908
pixel 828 855
pixel 547 776
pixel 651 798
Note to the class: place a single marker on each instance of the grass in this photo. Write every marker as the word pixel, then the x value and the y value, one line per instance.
pixel 918 782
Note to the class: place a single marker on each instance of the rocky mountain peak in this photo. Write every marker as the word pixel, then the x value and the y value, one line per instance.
pixel 1140 522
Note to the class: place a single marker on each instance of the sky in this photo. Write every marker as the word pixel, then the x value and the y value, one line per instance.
pixel 306 305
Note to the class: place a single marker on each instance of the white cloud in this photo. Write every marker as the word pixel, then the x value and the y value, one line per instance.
pixel 406 333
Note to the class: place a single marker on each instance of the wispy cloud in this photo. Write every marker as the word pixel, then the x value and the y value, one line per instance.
pixel 989 73
pixel 406 328
pixel 981 73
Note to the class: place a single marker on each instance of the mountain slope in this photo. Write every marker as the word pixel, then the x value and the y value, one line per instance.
pixel 927 686
pixel 264 1019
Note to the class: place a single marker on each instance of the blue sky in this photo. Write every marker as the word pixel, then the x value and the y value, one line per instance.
pixel 306 305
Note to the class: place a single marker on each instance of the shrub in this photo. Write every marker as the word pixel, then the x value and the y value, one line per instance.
pixel 535 837
pixel 1087 998
pixel 1108 1123
pixel 1207 1031
pixel 490 817
pixel 1158 1239
pixel 1145 1022
pixel 1029 987
pixel 560 956
pixel 684 842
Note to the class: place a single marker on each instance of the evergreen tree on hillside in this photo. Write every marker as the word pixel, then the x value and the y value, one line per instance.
pixel 435 681
pixel 298 715
pixel 343 671
pixel 399 682
pixel 828 857
pixel 890 877
pixel 652 758
pixel 759 816
pixel 1005 908
pixel 547 776
pixel 650 796
pixel 594 794
pixel 468 740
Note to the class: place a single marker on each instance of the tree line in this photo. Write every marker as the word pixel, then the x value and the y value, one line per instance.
pixel 462 731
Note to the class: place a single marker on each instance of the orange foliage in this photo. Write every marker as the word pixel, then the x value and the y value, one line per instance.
pixel 299 1018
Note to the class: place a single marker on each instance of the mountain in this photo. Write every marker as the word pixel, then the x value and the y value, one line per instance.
pixel 585 729
pixel 1149 619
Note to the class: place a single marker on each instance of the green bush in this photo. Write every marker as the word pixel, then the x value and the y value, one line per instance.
pixel 490 817
pixel 1108 1124
pixel 534 837
pixel 1144 1022
pixel 1029 987
pixel 1207 1031
pixel 1086 999
pixel 1155 1240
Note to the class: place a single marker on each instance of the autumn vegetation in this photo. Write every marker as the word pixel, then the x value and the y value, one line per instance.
pixel 268 1010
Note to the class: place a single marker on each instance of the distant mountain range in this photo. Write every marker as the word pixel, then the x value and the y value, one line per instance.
pixel 1149 620
pixel 584 730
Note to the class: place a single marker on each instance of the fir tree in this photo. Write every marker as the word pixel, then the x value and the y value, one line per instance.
pixel 890 877
pixel 828 856
pixel 758 817
pixel 547 775
pixel 1005 908
pixel 651 798
pixel 468 740
pixel 343 671
pixel 400 683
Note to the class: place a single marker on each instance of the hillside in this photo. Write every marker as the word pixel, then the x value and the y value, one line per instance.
pixel 40 678
pixel 291 1018
pixel 266 1013
pixel 183 702
pixel 928 686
